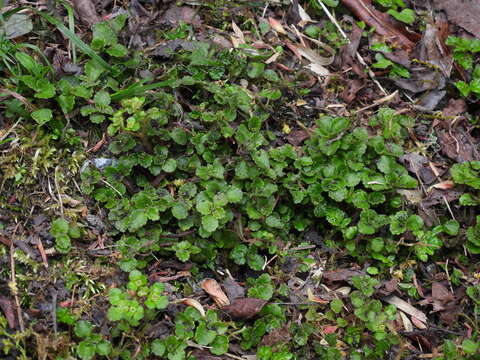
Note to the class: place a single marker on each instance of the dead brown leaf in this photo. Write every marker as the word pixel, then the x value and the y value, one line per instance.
pixel 233 289
pixel 405 307
pixel 200 354
pixel 462 13
pixel 194 303
pixel 441 293
pixel 85 10
pixel 419 165
pixel 7 305
pixel 436 197
pixel 296 137
pixel 277 26
pixel 382 23
pixel 457 144
pixel 351 90
pixel 348 52
pixel 213 289
pixel 175 14
pixel 277 336
pixel 455 107
pixel 341 275
pixel 244 308
pixel 444 185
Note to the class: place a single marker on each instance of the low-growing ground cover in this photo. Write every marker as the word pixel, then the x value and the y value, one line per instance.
pixel 224 180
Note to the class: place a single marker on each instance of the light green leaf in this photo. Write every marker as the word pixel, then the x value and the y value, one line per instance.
pixel 209 223
pixel 42 116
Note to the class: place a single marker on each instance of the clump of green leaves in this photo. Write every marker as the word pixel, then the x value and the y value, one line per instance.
pixel 396 70
pixel 472 87
pixel 464 50
pixel 63 232
pixel 398 10
pixel 105 36
pixel 128 306
pixel 190 326
pixel 206 183
pixel 92 343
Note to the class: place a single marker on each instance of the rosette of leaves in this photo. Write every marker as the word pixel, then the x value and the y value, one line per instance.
pixel 129 307
pixel 92 344
pixel 63 232
pixel 190 326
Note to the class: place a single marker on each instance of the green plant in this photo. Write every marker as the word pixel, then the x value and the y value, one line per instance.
pixel 473 86
pixel 395 70
pixel 373 315
pixel 464 50
pixel 467 173
pixel 191 326
pixel 128 307
pixel 473 237
pixel 91 344
pixel 261 287
pixel 405 15
pixel 63 232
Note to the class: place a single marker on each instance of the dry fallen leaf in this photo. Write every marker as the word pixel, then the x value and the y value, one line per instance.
pixel 275 24
pixel 277 336
pixel 418 324
pixel 405 307
pixel 239 38
pixel 444 185
pixel 233 289
pixel 213 289
pixel 462 13
pixel 194 303
pixel 341 275
pixel 7 306
pixel 329 329
pixel 244 308
pixel 313 56
pixel 315 299
pixel 318 69
pixel 407 324
pixel 85 10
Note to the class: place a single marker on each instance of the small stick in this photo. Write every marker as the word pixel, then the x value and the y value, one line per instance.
pixel 448 207
pixel 448 277
pixel 179 235
pixel 57 187
pixel 41 250
pixel 13 287
pixel 54 310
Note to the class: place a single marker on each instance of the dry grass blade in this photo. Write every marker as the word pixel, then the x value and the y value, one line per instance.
pixel 405 307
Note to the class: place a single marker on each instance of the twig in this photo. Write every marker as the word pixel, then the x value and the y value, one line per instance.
pixel 13 284
pixel 378 102
pixel 269 261
pixel 4 136
pixel 111 186
pixel 265 9
pixel 179 235
pixel 57 187
pixel 448 277
pixel 41 250
pixel 54 310
pixel 359 57
pixel 448 207
pixel 30 107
